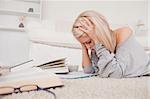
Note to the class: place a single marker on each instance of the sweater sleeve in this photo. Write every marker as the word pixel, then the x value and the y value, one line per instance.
pixel 107 64
pixel 93 68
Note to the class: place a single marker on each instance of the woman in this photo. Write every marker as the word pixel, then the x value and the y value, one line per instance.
pixel 114 53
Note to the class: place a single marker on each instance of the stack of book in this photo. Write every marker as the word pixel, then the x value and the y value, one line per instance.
pixel 56 66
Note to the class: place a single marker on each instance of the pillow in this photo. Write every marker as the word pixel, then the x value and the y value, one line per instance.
pixel 44 31
pixel 142 40
pixel 114 26
pixel 43 53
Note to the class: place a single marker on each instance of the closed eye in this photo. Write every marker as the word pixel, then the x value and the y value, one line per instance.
pixel 76 27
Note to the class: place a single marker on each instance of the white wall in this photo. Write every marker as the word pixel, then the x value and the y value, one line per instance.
pixel 19 5
pixel 61 15
pixel 123 12
pixel 118 13
pixel 14 47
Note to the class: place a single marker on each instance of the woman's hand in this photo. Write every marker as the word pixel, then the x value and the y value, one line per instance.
pixel 83 45
pixel 84 48
pixel 89 29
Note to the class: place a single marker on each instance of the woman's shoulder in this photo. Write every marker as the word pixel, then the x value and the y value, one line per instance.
pixel 126 30
pixel 123 33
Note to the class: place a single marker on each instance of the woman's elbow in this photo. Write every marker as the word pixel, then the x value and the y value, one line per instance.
pixel 88 70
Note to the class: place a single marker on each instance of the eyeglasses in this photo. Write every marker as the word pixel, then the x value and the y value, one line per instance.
pixel 25 88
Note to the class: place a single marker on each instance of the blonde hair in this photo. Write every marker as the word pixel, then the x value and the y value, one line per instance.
pixel 102 29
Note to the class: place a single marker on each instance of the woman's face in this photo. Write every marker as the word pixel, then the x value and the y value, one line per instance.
pixel 84 39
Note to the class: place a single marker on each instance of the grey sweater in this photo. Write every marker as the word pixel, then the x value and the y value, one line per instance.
pixel 130 60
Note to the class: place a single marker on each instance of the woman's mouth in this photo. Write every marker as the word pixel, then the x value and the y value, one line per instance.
pixel 88 42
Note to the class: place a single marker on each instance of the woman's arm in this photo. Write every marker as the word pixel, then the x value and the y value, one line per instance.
pixel 105 63
pixel 86 62
pixel 108 65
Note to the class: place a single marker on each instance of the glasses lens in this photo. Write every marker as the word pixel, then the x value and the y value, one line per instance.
pixel 6 90
pixel 28 88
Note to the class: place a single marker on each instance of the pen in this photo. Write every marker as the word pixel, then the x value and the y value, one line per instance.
pixel 21 63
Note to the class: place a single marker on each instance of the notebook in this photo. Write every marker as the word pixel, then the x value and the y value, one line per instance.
pixel 75 75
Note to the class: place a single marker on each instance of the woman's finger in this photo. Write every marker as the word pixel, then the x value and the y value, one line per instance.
pixel 83 30
pixel 84 24
pixel 88 21
pixel 89 33
pixel 77 30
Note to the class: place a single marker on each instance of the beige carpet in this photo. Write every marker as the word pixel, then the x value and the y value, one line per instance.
pixel 94 88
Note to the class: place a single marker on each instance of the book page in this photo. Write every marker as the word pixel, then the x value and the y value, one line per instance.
pixel 30 73
pixel 43 54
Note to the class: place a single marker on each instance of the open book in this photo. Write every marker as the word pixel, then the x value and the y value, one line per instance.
pixel 31 76
pixel 55 66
